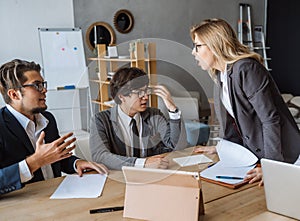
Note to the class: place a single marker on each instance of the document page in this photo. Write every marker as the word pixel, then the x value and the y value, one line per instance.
pixel 192 160
pixel 235 155
pixel 231 175
pixel 235 162
pixel 74 186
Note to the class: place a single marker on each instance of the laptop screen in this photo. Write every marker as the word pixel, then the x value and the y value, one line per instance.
pixel 282 189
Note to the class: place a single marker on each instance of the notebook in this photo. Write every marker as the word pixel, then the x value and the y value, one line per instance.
pixel 156 194
pixel 282 189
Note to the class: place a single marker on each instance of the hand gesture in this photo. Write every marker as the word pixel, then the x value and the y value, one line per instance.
pixel 49 153
pixel 164 93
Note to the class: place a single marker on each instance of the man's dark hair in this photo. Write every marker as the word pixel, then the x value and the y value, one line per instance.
pixel 125 80
pixel 12 75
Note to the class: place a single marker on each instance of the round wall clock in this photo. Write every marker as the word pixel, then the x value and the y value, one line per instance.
pixel 123 21
pixel 100 33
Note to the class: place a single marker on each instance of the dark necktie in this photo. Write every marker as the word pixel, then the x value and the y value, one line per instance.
pixel 136 140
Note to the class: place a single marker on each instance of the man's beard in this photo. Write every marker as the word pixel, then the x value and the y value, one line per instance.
pixel 38 110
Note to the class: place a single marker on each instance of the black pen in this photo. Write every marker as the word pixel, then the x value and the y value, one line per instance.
pixel 230 177
pixel 105 210
pixel 210 165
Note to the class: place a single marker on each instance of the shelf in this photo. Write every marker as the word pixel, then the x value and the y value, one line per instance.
pixel 98 81
pixel 102 103
pixel 106 65
pixel 122 59
pixel 113 59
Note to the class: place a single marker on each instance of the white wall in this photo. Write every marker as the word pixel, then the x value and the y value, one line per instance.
pixel 19 23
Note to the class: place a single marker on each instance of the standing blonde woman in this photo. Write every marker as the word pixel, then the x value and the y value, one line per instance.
pixel 248 104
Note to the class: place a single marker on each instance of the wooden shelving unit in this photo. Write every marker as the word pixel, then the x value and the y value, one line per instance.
pixel 141 58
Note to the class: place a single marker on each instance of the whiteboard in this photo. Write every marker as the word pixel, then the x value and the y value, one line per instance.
pixel 63 57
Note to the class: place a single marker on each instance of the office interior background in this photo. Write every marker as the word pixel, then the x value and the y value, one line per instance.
pixel 156 19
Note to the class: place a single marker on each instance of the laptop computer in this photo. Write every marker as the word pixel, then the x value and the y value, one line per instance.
pixel 156 194
pixel 282 189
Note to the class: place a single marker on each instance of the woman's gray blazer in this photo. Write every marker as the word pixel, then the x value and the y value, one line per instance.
pixel 262 118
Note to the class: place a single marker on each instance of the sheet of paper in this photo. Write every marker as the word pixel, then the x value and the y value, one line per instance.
pixel 234 155
pixel 219 169
pixel 192 160
pixel 235 162
pixel 74 186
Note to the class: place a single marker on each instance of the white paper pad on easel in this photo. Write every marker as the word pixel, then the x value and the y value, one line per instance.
pixel 74 186
pixel 192 160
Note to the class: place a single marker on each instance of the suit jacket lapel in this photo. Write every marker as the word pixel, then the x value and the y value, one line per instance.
pixel 118 132
pixel 229 82
pixel 15 127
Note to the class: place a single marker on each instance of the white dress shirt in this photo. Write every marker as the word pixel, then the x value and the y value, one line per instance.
pixel 125 125
pixel 33 130
pixel 225 93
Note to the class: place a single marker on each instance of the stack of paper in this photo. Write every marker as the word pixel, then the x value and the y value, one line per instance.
pixel 235 162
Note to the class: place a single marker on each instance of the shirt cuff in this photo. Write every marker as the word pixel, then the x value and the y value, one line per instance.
pixel 140 162
pixel 175 116
pixel 74 165
pixel 25 174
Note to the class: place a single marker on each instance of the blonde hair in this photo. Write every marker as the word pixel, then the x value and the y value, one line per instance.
pixel 222 40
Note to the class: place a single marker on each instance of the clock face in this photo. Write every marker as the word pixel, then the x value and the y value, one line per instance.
pixel 100 33
pixel 123 21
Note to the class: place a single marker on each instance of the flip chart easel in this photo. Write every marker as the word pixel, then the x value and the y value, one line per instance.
pixel 63 57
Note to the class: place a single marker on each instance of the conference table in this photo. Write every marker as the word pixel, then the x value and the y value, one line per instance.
pixel 220 203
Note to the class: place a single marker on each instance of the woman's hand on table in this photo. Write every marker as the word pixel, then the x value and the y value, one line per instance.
pixel 255 175
pixel 205 149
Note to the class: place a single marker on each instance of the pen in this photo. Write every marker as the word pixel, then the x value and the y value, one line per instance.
pixel 105 210
pixel 230 177
pixel 211 165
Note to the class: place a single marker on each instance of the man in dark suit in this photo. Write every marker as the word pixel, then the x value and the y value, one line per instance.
pixel 30 146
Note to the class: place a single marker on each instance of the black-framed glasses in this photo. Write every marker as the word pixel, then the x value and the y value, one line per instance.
pixel 39 86
pixel 196 46
pixel 142 93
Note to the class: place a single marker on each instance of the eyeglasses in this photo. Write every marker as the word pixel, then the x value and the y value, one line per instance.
pixel 142 93
pixel 196 46
pixel 39 86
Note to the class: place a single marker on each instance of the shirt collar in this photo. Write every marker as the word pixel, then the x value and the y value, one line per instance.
pixel 126 119
pixel 223 75
pixel 41 121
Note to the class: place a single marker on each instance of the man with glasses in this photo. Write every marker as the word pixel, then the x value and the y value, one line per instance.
pixel 30 147
pixel 131 133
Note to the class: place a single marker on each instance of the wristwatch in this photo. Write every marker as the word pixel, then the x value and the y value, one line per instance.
pixel 175 111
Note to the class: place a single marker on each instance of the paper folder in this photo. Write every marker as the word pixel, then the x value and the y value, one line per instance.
pixel 232 186
pixel 156 194
pixel 235 162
